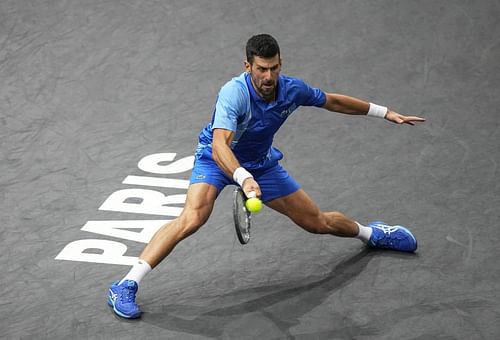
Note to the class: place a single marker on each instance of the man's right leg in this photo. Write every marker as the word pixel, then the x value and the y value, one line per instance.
pixel 199 204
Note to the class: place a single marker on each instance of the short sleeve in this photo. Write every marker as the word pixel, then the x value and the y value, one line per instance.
pixel 230 105
pixel 309 96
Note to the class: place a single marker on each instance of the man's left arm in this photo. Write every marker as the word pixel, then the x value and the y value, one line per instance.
pixel 353 106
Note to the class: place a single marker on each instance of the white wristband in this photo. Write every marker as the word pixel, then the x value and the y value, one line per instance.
pixel 377 111
pixel 240 175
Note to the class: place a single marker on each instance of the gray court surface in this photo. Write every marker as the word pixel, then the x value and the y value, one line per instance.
pixel 90 88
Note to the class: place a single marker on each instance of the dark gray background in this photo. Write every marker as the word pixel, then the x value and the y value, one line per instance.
pixel 87 88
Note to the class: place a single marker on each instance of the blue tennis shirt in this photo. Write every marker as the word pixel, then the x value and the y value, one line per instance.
pixel 255 122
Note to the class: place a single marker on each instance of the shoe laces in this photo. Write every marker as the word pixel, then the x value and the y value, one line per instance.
pixel 127 295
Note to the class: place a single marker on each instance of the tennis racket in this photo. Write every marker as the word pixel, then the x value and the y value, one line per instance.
pixel 242 217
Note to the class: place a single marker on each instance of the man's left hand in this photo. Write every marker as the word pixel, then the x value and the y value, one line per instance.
pixel 397 118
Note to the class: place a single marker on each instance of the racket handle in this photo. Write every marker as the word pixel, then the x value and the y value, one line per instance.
pixel 252 194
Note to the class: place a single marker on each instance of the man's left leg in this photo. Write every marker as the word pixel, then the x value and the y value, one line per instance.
pixel 302 210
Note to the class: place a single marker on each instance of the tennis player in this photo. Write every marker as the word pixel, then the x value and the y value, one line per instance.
pixel 236 148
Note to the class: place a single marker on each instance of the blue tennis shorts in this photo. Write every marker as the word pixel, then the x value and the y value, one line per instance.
pixel 274 181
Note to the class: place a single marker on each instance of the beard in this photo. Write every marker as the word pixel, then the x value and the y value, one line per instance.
pixel 267 89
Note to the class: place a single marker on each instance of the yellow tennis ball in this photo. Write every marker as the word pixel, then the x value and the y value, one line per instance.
pixel 254 205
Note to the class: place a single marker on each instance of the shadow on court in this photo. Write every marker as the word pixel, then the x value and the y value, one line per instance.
pixel 277 307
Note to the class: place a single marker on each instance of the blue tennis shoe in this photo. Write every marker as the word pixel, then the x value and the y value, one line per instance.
pixel 395 237
pixel 122 298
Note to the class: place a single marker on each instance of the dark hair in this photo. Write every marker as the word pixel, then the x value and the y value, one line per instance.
pixel 261 45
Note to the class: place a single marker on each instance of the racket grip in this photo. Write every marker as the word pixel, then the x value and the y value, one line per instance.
pixel 252 194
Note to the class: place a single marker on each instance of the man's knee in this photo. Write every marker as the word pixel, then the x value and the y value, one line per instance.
pixel 315 223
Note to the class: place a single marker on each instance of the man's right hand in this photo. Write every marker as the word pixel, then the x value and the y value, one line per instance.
pixel 250 185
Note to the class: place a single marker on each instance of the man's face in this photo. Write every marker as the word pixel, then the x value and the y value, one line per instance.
pixel 264 73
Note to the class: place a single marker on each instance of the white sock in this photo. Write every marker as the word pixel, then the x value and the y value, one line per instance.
pixel 364 233
pixel 138 271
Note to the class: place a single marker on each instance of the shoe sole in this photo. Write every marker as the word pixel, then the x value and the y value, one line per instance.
pixel 111 303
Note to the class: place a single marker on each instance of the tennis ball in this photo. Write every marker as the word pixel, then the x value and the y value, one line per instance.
pixel 254 205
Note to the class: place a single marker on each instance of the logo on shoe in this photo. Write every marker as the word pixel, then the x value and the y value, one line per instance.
pixel 386 228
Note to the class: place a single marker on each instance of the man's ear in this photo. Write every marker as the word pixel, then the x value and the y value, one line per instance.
pixel 248 66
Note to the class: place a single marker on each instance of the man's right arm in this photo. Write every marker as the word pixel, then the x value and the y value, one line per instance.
pixel 226 160
pixel 222 153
